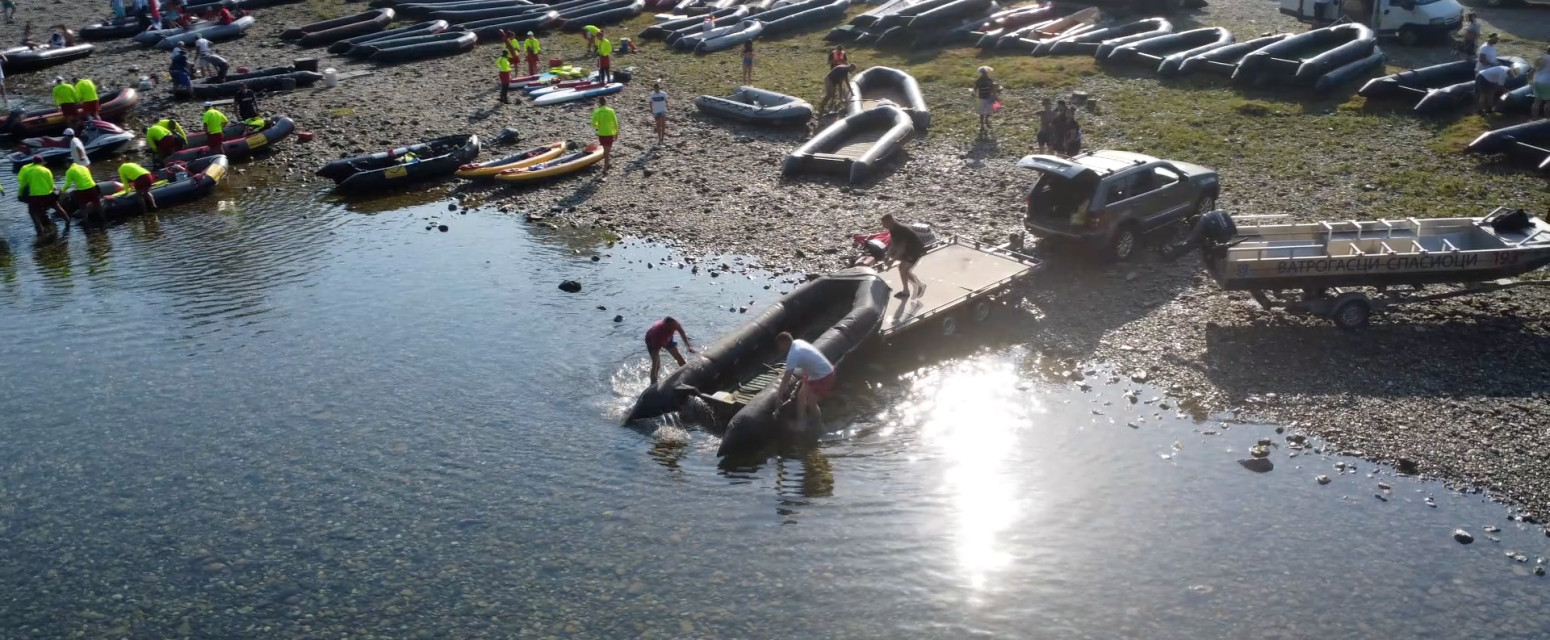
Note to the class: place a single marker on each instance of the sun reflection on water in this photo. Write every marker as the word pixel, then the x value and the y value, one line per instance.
pixel 971 414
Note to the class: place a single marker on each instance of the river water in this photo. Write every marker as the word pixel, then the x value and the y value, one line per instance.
pixel 282 417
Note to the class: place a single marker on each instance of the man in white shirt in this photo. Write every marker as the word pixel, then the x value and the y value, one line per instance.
pixel 806 363
pixel 1489 85
pixel 203 46
pixel 77 149
pixel 1487 54
pixel 658 99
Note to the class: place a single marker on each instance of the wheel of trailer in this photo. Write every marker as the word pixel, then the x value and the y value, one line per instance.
pixel 1122 247
pixel 980 311
pixel 1352 314
pixel 950 325
pixel 1409 37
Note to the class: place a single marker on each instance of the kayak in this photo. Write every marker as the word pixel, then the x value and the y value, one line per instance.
pixel 568 163
pixel 568 95
pixel 521 159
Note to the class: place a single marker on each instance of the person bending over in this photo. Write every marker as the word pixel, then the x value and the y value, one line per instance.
pixel 806 363
pixel 906 248
pixel 659 337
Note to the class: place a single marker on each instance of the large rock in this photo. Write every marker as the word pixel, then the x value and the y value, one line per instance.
pixel 1462 536
pixel 1257 465
pixel 570 286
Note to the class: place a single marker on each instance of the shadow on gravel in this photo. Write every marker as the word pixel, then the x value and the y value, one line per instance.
pixel 1083 301
pixel 1491 356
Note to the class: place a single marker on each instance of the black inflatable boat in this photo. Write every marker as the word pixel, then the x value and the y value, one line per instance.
pixel 385 169
pixel 1462 93
pixel 429 27
pixel 853 146
pixel 1166 53
pixel 24 59
pixel 1321 57
pixel 375 20
pixel 737 378
pixel 116 28
pixel 1225 60
pixel 871 87
pixel 1528 142
pixel 210 31
pixel 204 175
pixel 823 11
pixel 757 106
pixel 1098 42
pixel 442 44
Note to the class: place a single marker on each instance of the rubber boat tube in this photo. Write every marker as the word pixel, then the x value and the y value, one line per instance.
pixel 296 33
pixel 1308 55
pixel 608 16
pixel 1462 94
pixel 364 27
pixel 211 31
pixel 243 147
pixel 461 42
pixel 421 9
pixel 744 31
pixel 107 141
pixel 1348 72
pixel 661 29
pixel 204 175
pixel 805 19
pixel 951 35
pixel 510 13
pixel 1007 20
pixel 67 199
pixel 1165 53
pixel 757 106
pixel 1046 34
pixel 24 59
pixel 1529 142
pixel 568 163
pixel 949 13
pixel 1225 60
pixel 904 15
pixel 424 28
pixel 518 160
pixel 854 145
pixel 1100 42
pixel 794 8
pixel 432 159
pixel 871 16
pixel 1414 83
pixel 271 83
pixel 868 88
pixel 48 120
pixel 1518 100
pixel 115 28
pixel 490 30
pixel 410 45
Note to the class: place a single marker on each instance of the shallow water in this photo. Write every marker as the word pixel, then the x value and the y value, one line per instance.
pixel 287 418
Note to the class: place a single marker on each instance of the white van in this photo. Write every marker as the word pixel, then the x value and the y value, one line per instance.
pixel 1411 21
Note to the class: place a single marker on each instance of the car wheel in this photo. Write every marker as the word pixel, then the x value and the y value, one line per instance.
pixel 1205 204
pixel 1123 245
pixel 1409 37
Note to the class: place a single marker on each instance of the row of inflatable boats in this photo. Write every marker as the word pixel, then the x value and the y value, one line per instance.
pixel 486 19
pixel 1450 86
pixel 706 27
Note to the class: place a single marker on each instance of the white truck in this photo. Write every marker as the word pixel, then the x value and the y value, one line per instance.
pixel 1410 21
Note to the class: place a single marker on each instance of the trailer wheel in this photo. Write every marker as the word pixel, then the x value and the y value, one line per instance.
pixel 950 325
pixel 980 311
pixel 1352 314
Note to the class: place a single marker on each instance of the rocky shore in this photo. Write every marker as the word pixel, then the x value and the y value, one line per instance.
pixel 1456 389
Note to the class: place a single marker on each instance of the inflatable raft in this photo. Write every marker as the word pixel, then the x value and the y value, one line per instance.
pixel 1167 53
pixel 1462 93
pixel 1528 142
pixel 873 86
pixel 1321 57
pixel 518 160
pixel 568 163
pixel 209 31
pixel 732 36
pixel 204 175
pixel 24 59
pixel 385 169
pixel 376 20
pixel 297 33
pixel 242 146
pixel 1225 60
pixel 284 81
pixel 737 378
pixel 777 23
pixel 1099 42
pixel 427 28
pixel 1036 37
pixel 116 28
pixel 1004 22
pixel 102 140
pixel 757 106
pixel 444 44
pixel 114 105
pixel 854 145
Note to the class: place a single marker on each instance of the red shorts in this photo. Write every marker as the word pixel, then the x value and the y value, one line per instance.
pixel 505 77
pixel 38 206
pixel 602 62
pixel 213 141
pixel 70 109
pixel 821 387
pixel 143 184
pixel 607 141
pixel 91 107
pixel 87 196
pixel 167 145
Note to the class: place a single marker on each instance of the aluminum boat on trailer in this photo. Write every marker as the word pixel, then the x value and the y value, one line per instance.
pixel 1305 268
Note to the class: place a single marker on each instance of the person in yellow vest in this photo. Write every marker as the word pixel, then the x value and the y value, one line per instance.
pixel 64 98
pixel 606 122
pixel 134 175
pixel 84 193
pixel 215 128
pixel 503 64
pixel 37 187
pixel 591 33
pixel 605 52
pixel 86 92
pixel 531 48
pixel 509 42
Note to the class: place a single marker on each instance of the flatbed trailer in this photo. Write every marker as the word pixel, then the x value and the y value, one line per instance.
pixel 960 276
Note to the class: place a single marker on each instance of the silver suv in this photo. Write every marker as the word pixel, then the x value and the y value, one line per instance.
pixel 1113 199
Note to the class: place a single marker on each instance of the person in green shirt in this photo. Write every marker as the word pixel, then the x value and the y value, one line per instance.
pixel 134 175
pixel 84 194
pixel 591 33
pixel 503 64
pixel 606 122
pixel 531 47
pixel 215 128
pixel 37 188
pixel 86 92
pixel 65 99
pixel 605 52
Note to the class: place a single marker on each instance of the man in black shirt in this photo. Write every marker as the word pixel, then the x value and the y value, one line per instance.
pixel 904 246
pixel 247 103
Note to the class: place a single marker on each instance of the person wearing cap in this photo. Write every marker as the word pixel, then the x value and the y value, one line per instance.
pixel 166 137
pixel 136 176
pixel 86 93
pixel 503 65
pixel 215 128
pixel 1486 57
pixel 37 188
pixel 77 148
pixel 606 122
pixel 84 192
pixel 605 53
pixel 178 69
pixel 531 48
pixel 65 100
pixel 591 31
pixel 1489 86
pixel 986 92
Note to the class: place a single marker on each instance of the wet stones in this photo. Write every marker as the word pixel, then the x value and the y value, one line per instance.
pixel 1321 479
pixel 570 286
pixel 1463 537
pixel 1257 465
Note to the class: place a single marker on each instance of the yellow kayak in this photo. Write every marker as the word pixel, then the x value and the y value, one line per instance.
pixel 568 163
pixel 525 158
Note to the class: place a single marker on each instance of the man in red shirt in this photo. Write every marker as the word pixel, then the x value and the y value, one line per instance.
pixel 659 337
